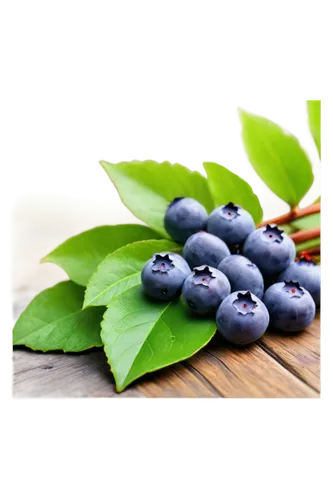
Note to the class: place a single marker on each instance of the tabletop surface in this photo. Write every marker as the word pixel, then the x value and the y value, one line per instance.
pixel 274 367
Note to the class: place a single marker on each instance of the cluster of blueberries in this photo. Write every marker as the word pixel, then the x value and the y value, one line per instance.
pixel 232 265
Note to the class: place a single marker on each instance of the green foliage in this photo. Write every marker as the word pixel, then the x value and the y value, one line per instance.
pixel 80 255
pixel 141 336
pixel 147 188
pixel 278 157
pixel 121 270
pixel 307 222
pixel 305 245
pixel 54 320
pixel 314 119
pixel 225 185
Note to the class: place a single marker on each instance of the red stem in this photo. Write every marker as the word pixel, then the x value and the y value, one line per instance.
pixel 295 213
pixel 311 251
pixel 305 234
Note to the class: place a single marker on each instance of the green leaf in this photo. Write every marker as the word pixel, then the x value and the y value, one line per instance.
pixel 54 320
pixel 80 255
pixel 121 270
pixel 287 228
pixel 318 200
pixel 147 188
pixel 315 189
pixel 141 336
pixel 277 157
pixel 307 222
pixel 226 186
pixel 314 117
pixel 308 244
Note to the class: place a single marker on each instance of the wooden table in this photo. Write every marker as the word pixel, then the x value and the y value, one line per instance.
pixel 277 366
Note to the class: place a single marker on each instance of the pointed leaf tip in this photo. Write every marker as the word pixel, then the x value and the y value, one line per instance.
pixel 141 336
pixel 277 157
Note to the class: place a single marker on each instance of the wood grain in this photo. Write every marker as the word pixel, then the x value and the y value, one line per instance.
pixel 277 366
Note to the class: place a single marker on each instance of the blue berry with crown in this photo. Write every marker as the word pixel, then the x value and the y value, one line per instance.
pixel 242 318
pixel 204 289
pixel 231 223
pixel 307 274
pixel 290 306
pixel 270 248
pixel 163 275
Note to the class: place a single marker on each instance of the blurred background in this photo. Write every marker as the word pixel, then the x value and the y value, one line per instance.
pixel 38 223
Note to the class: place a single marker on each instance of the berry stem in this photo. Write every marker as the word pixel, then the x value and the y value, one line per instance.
pixel 295 213
pixel 311 251
pixel 305 245
pixel 305 234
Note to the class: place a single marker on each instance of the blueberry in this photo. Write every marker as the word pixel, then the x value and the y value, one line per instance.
pixel 164 274
pixel 184 217
pixel 243 275
pixel 204 248
pixel 204 289
pixel 242 318
pixel 231 223
pixel 270 249
pixel 290 306
pixel 307 273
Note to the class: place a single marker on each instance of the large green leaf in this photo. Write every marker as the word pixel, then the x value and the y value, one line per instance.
pixel 277 157
pixel 226 186
pixel 147 188
pixel 54 320
pixel 314 116
pixel 141 336
pixel 80 255
pixel 121 270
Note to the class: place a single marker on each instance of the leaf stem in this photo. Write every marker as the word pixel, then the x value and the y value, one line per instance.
pixel 305 234
pixel 295 213
pixel 311 251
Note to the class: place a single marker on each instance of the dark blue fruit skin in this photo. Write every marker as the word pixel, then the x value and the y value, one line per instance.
pixel 233 230
pixel 243 275
pixel 287 312
pixel 271 256
pixel 204 297
pixel 165 285
pixel 184 217
pixel 307 275
pixel 238 328
pixel 204 249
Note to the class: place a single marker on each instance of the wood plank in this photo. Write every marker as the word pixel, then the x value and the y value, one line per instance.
pixel 299 353
pixel 215 371
pixel 63 375
pixel 248 373
pixel 88 375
